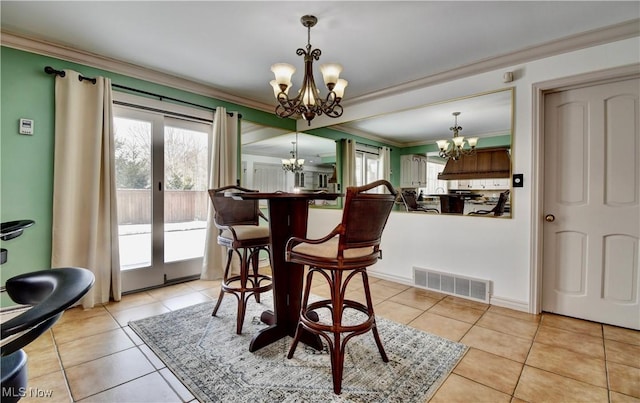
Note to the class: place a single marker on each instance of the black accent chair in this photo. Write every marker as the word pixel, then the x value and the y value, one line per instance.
pixel 238 230
pixel 347 250
pixel 411 202
pixel 49 293
pixel 499 208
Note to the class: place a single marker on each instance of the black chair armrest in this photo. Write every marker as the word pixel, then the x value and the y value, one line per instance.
pixel 50 292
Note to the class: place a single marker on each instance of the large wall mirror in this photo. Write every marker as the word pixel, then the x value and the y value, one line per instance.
pixel 264 148
pixel 476 185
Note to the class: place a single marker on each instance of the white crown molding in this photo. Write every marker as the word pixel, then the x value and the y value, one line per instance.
pixel 587 39
pixel 51 49
pixel 363 134
pixel 617 32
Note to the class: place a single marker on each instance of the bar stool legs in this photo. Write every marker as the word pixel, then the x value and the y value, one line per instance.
pixel 336 334
pixel 244 285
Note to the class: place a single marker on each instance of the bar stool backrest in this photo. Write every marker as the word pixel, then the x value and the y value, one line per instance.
pixel 365 215
pixel 230 211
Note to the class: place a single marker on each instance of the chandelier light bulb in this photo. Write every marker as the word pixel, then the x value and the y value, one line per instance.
pixel 339 88
pixel 331 74
pixel 443 144
pixel 283 73
pixel 458 141
pixel 277 90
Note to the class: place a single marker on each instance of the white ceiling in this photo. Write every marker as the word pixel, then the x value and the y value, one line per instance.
pixel 230 45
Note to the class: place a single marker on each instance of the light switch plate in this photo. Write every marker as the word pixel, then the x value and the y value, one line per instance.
pixel 518 180
pixel 26 126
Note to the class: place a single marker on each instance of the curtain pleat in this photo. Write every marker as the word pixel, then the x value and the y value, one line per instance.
pixel 348 163
pixel 85 221
pixel 385 156
pixel 223 171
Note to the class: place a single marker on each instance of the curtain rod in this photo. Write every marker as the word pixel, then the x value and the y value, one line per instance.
pixel 369 145
pixel 61 73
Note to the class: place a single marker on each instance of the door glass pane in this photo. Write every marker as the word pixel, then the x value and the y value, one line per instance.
pixel 373 166
pixel 185 196
pixel 132 140
pixel 359 169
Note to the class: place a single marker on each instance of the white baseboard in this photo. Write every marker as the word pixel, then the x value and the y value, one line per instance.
pixel 522 306
pixel 395 279
pixel 509 303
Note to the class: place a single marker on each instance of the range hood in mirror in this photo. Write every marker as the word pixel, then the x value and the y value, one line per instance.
pixel 485 163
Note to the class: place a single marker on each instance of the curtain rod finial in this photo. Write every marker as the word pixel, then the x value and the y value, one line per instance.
pixel 51 70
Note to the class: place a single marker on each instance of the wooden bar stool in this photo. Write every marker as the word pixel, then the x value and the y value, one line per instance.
pixel 345 252
pixel 237 222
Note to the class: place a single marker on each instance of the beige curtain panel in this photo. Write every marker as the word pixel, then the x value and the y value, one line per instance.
pixel 348 164
pixel 385 157
pixel 85 224
pixel 223 171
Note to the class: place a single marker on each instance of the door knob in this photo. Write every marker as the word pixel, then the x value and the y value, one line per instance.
pixel 549 218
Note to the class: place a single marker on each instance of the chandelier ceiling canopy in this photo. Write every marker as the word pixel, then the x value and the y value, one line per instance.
pixel 458 143
pixel 308 102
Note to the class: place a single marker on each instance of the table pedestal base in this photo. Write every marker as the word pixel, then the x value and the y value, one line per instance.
pixel 277 331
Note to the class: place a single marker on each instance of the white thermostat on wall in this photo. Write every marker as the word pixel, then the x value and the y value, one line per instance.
pixel 26 126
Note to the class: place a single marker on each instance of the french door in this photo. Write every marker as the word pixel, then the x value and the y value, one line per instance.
pixel 161 181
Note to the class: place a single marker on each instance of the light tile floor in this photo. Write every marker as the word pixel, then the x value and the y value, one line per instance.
pixel 93 356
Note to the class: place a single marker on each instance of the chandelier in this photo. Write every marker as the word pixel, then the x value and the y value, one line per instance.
pixel 308 102
pixel 457 146
pixel 293 164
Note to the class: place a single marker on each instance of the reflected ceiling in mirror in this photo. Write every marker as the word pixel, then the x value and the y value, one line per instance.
pixel 263 149
pixel 482 115
pixel 275 142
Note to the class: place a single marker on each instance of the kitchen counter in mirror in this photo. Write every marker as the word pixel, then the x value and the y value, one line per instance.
pixel 453 203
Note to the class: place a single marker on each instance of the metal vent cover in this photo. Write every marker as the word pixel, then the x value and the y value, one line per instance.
pixel 447 283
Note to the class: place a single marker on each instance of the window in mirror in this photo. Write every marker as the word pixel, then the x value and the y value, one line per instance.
pixel 367 168
pixel 435 185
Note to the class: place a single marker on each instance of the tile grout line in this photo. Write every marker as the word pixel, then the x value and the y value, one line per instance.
pixel 64 372
pixel 524 364
pixel 475 323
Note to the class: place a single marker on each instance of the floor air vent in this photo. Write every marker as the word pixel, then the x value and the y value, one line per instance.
pixel 460 286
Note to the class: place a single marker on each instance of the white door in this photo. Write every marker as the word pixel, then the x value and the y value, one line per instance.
pixel 591 203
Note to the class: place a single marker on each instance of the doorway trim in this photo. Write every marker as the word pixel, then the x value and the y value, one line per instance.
pixel 539 90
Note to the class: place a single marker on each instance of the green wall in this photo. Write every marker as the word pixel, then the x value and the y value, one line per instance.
pixel 26 162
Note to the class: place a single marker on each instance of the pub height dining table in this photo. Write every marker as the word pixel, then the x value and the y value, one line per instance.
pixel 288 214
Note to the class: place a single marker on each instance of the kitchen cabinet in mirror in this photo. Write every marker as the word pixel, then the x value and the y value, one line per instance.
pixel 263 149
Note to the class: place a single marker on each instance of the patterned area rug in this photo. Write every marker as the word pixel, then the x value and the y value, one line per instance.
pixel 205 353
